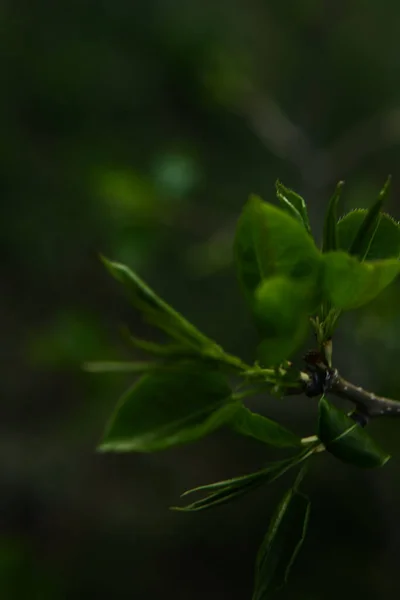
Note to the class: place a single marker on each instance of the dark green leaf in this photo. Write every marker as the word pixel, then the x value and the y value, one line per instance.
pixel 384 244
pixel 281 308
pixel 167 408
pixel 349 283
pixel 270 243
pixel 156 311
pixel 230 489
pixel 293 204
pixel 245 422
pixel 365 234
pixel 346 439
pixel 281 544
pixel 329 241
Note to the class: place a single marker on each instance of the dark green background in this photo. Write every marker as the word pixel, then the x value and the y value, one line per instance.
pixel 138 129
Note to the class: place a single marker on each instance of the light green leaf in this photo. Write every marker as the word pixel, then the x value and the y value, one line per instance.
pixel 245 422
pixel 269 243
pixel 384 244
pixel 168 408
pixel 281 308
pixel 293 204
pixel 230 489
pixel 346 439
pixel 329 241
pixel 350 284
pixel 281 544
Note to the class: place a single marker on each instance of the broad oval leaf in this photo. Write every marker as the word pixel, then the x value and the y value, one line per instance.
pixel 349 283
pixel 168 408
pixel 281 544
pixel 281 308
pixel 245 422
pixel 346 439
pixel 269 243
pixel 385 242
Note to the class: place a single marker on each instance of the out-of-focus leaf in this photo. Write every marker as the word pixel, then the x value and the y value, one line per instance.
pixel 329 241
pixel 269 243
pixel 117 367
pixel 346 439
pixel 293 204
pixel 366 232
pixel 349 283
pixel 384 244
pixel 245 422
pixel 281 308
pixel 169 408
pixel 281 544
pixel 230 489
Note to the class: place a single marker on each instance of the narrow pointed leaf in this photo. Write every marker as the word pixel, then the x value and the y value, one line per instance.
pixel 293 203
pixel 385 243
pixel 367 230
pixel 346 439
pixel 330 241
pixel 169 408
pixel 268 243
pixel 221 492
pixel 155 310
pixel 349 283
pixel 281 544
pixel 245 422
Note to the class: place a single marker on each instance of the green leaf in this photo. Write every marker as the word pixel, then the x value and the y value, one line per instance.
pixel 117 367
pixel 281 308
pixel 293 204
pixel 281 544
pixel 346 439
pixel 156 311
pixel 384 244
pixel 245 422
pixel 168 408
pixel 350 284
pixel 329 241
pixel 230 489
pixel 366 232
pixel 269 243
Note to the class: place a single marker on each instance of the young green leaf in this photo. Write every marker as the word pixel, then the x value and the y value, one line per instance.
pixel 230 489
pixel 281 544
pixel 245 422
pixel 293 204
pixel 350 284
pixel 281 308
pixel 270 243
pixel 329 241
pixel 384 244
pixel 156 311
pixel 168 408
pixel 367 230
pixel 346 439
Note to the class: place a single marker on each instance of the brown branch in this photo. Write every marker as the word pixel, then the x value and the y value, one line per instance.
pixel 329 381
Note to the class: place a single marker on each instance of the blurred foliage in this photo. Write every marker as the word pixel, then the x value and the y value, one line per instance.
pixel 138 130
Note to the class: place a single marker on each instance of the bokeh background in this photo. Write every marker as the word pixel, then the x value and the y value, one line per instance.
pixel 138 129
